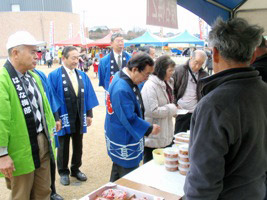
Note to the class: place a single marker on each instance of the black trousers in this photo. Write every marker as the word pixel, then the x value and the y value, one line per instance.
pixel 53 176
pixel 148 153
pixel 49 63
pixel 63 151
pixel 117 172
pixel 182 123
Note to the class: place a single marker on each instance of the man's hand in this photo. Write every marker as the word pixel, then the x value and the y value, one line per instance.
pixel 88 121
pixel 156 129
pixel 58 125
pixel 6 166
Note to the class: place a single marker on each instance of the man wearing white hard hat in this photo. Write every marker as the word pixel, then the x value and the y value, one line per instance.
pixel 26 122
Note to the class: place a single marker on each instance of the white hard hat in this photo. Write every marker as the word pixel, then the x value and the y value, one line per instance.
pixel 22 38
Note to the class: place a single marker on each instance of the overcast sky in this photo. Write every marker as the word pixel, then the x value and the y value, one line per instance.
pixel 127 14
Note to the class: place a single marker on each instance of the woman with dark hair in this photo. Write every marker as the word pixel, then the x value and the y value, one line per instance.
pixel 157 95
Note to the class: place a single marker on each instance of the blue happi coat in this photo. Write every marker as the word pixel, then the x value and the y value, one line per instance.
pixel 124 125
pixel 90 99
pixel 54 101
pixel 104 68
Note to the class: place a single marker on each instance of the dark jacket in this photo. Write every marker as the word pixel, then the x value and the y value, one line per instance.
pixel 180 78
pixel 260 64
pixel 228 143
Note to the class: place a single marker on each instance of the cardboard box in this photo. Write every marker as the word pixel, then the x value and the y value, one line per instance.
pixel 129 191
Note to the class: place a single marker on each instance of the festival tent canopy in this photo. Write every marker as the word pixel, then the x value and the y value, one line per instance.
pixel 146 38
pixel 187 38
pixel 75 41
pixel 103 42
pixel 209 10
pixel 254 11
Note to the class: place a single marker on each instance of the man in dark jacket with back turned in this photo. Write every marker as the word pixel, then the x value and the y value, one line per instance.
pixel 260 62
pixel 228 143
pixel 187 88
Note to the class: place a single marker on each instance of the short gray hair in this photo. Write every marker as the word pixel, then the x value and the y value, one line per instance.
pixel 67 49
pixel 263 43
pixel 115 35
pixel 235 39
pixel 146 48
pixel 11 49
pixel 199 52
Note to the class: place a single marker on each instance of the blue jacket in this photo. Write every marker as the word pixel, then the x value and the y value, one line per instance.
pixel 54 100
pixel 90 99
pixel 104 70
pixel 124 125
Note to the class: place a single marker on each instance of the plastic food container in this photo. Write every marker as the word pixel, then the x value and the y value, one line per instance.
pixel 184 164
pixel 178 143
pixel 183 171
pixel 171 161
pixel 170 152
pixel 183 158
pixel 130 193
pixel 158 156
pixel 175 145
pixel 183 149
pixel 171 168
pixel 182 137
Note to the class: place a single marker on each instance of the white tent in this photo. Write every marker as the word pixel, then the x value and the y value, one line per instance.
pixel 255 11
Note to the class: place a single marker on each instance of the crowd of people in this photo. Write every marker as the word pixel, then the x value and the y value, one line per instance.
pixel 225 112
pixel 87 57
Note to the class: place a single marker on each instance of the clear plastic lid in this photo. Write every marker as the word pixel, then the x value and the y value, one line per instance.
pixel 171 151
pixel 183 169
pixel 182 156
pixel 170 166
pixel 183 147
pixel 183 136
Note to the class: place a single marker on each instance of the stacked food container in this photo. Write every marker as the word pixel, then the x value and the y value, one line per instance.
pixel 183 159
pixel 181 141
pixel 171 159
pixel 176 157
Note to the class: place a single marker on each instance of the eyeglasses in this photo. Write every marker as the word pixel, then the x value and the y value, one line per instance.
pixel 119 41
pixel 145 75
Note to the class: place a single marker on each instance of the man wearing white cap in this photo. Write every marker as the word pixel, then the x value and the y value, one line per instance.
pixel 26 122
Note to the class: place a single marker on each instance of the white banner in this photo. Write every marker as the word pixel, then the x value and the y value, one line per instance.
pixel 82 31
pixel 51 33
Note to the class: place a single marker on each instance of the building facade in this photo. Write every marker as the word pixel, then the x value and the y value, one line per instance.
pixel 36 5
pixel 46 20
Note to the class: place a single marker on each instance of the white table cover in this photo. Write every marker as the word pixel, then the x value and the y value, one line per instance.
pixel 155 175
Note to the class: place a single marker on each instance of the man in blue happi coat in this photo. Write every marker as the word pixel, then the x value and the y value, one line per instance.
pixel 55 103
pixel 113 62
pixel 75 90
pixel 125 125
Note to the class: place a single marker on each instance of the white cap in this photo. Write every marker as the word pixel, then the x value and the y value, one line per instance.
pixel 22 38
